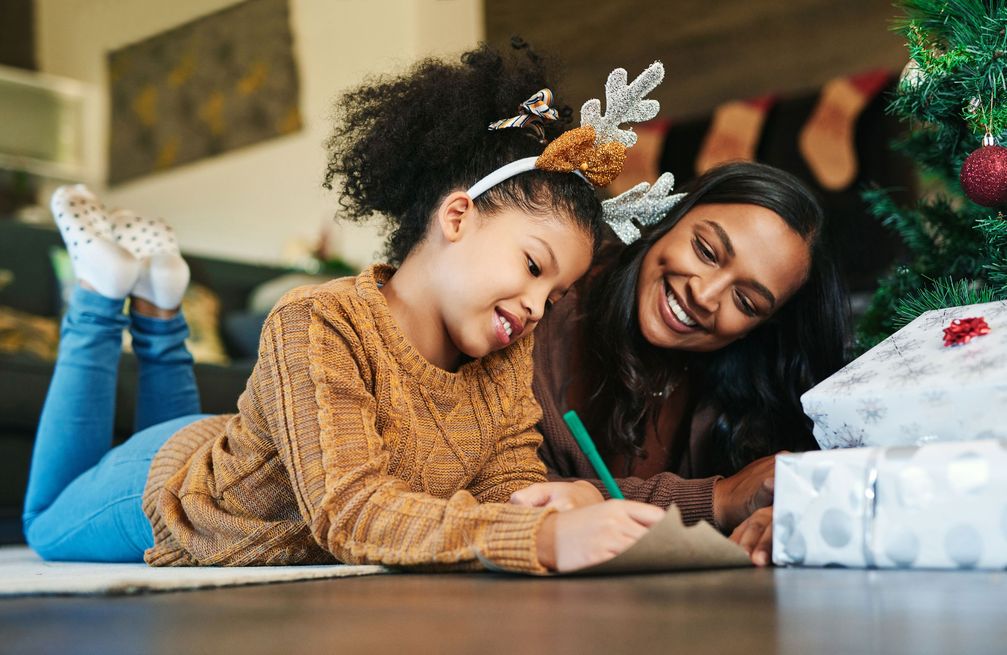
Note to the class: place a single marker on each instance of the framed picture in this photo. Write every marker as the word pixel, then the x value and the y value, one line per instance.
pixel 220 82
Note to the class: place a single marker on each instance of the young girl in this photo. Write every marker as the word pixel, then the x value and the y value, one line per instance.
pixel 390 416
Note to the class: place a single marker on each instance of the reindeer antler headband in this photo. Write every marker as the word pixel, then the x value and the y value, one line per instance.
pixel 597 149
pixel 643 203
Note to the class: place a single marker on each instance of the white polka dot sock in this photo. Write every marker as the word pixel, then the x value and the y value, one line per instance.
pixel 164 275
pixel 87 233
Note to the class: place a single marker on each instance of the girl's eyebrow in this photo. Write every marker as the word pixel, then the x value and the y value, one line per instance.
pixel 548 248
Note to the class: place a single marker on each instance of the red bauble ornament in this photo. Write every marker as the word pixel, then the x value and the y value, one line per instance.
pixel 984 174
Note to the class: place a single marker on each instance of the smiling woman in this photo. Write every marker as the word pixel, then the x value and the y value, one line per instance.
pixel 708 282
pixel 686 352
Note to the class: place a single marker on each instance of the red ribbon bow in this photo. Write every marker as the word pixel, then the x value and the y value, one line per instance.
pixel 962 330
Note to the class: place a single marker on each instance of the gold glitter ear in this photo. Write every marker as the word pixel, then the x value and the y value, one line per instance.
pixel 597 149
pixel 575 151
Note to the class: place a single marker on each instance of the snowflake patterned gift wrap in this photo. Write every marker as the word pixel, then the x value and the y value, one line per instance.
pixel 941 505
pixel 912 389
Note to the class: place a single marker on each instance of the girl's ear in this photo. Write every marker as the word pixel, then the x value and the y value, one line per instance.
pixel 455 215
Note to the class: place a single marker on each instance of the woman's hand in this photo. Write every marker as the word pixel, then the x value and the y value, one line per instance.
pixel 594 534
pixel 755 535
pixel 561 495
pixel 737 497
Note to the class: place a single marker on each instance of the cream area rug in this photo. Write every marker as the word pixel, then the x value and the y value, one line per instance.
pixel 23 573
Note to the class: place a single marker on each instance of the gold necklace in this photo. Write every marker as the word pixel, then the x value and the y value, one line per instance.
pixel 671 386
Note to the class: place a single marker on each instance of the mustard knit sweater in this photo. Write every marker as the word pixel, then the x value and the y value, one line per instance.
pixel 349 446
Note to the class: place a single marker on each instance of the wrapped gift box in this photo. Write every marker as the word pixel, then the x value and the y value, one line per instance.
pixel 942 505
pixel 912 389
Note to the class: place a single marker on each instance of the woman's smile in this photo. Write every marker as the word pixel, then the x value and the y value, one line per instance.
pixel 671 310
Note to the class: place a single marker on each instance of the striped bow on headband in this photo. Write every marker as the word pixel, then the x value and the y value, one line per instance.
pixel 533 111
pixel 596 151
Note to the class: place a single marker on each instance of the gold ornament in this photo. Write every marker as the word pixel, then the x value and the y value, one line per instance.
pixel 912 76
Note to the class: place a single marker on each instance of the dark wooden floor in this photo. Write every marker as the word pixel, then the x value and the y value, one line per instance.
pixel 741 611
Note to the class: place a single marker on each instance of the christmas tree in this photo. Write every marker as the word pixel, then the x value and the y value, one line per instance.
pixel 953 96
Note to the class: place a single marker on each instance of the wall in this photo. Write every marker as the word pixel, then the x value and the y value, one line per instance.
pixel 712 51
pixel 250 203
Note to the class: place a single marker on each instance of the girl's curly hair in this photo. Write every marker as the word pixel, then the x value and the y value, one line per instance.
pixel 401 144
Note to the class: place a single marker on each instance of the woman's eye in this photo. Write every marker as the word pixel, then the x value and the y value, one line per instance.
pixel 746 305
pixel 533 268
pixel 548 305
pixel 704 251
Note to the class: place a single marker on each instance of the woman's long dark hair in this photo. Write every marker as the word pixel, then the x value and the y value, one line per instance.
pixel 753 385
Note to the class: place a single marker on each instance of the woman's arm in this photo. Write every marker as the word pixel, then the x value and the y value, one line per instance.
pixel 562 456
pixel 722 502
pixel 694 498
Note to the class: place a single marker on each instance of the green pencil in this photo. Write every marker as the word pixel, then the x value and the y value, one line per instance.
pixel 585 443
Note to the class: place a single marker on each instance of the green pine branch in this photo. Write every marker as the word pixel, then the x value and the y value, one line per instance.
pixel 938 295
pixel 994 230
pixel 879 320
pixel 956 250
pixel 939 241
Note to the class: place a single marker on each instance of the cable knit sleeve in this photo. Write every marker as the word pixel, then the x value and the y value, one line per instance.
pixel 339 459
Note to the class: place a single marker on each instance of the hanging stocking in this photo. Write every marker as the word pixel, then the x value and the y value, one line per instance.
pixel 734 132
pixel 827 139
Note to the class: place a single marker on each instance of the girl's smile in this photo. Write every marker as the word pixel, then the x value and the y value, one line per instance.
pixel 507 326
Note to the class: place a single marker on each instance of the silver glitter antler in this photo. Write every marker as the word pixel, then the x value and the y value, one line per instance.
pixel 624 103
pixel 643 203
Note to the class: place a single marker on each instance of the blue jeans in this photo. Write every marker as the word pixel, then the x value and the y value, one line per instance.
pixel 84 497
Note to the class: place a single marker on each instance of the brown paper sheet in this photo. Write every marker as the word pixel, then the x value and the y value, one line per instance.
pixel 670 546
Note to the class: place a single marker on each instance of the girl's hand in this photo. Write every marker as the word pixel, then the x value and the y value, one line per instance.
pixel 737 497
pixel 561 495
pixel 755 535
pixel 594 534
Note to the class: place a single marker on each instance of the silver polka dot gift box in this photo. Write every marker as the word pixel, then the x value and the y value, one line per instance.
pixel 912 388
pixel 941 506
